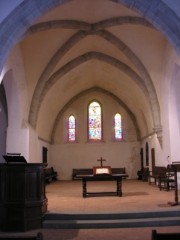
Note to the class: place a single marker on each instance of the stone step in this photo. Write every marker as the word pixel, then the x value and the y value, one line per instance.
pixel 112 220
pixel 127 215
pixel 111 223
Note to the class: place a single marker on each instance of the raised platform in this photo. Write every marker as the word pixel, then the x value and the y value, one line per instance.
pixel 137 196
pixel 113 220
pixel 141 205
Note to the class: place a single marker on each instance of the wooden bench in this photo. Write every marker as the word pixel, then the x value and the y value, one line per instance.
pixel 81 171
pixel 164 236
pixel 156 172
pixel 50 174
pixel 89 171
pixel 39 236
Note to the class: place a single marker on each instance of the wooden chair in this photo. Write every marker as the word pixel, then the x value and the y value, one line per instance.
pixel 154 175
pixel 167 180
pixel 164 236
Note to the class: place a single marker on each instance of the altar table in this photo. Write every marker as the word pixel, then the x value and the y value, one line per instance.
pixel 103 177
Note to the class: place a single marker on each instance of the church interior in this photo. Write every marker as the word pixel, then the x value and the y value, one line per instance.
pixel 84 80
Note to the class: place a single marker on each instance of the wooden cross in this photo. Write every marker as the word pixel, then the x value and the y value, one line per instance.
pixel 101 160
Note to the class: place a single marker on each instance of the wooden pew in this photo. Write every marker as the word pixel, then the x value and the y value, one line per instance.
pixel 89 171
pixel 164 236
pixel 50 174
pixel 39 236
pixel 81 171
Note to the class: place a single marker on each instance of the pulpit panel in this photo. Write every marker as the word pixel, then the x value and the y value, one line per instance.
pixel 22 196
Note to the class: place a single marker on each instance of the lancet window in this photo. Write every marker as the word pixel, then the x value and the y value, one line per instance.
pixel 94 121
pixel 71 129
pixel 117 126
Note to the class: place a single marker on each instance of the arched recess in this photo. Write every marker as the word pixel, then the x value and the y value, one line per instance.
pixel 119 101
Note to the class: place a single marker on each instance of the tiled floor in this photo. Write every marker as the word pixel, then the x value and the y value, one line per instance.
pixel 138 196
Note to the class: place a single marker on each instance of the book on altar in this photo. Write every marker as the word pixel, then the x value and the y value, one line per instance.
pixel 102 170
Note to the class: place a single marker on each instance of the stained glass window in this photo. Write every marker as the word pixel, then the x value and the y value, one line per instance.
pixel 71 129
pixel 95 124
pixel 118 126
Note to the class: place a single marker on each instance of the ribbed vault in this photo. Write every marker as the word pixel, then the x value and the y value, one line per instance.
pixel 97 29
pixel 20 24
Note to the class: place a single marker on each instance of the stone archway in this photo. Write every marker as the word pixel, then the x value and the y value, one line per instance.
pixel 19 21
pixel 22 17
pixel 86 29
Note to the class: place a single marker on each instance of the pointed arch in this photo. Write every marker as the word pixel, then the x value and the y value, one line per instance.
pixel 18 22
pixel 97 29
pixel 33 115
pixel 119 101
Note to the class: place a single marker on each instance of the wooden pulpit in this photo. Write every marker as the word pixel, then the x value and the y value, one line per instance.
pixel 23 202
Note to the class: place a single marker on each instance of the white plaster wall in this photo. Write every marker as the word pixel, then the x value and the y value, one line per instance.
pixel 82 154
pixel 170 110
pixel 79 109
pixel 153 142
pixel 48 146
pixel 65 157
pixel 16 94
pixel 35 147
pixel 17 135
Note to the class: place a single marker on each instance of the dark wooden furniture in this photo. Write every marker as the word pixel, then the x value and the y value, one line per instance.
pixel 143 174
pixel 50 174
pixel 156 172
pixel 103 177
pixel 77 172
pixel 14 158
pixel 22 196
pixel 39 236
pixel 167 180
pixel 164 236
pixel 176 168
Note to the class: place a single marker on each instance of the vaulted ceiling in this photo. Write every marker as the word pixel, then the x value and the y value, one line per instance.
pixel 93 44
